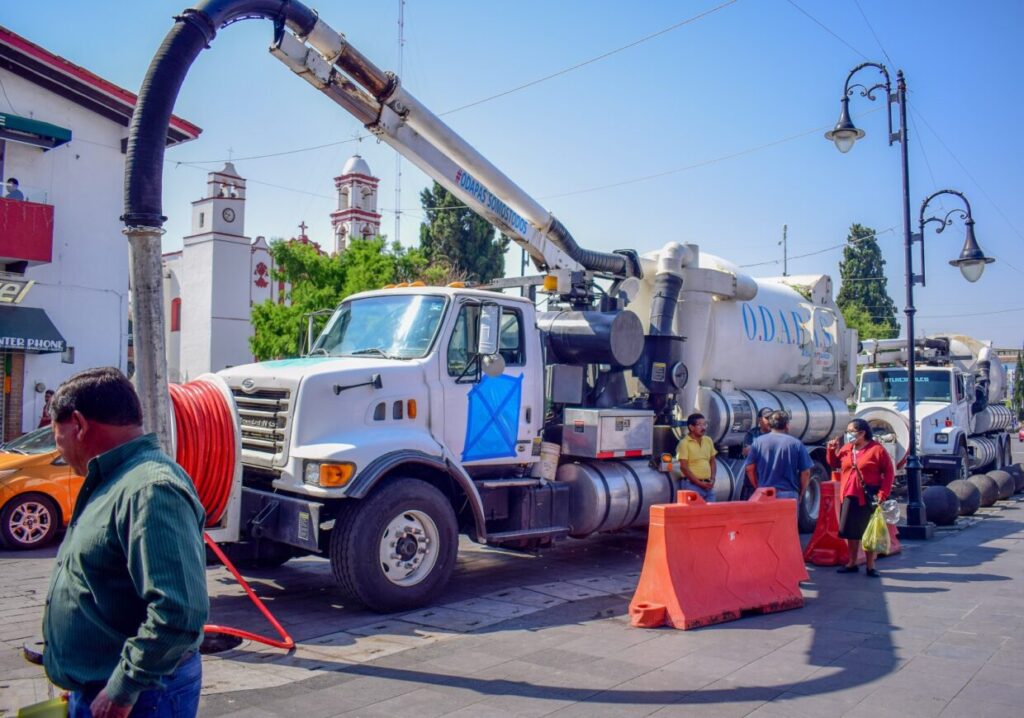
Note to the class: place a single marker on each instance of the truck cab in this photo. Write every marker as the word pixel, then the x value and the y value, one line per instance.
pixel 395 388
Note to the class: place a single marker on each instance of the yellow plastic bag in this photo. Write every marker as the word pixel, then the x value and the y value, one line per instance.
pixel 53 708
pixel 876 535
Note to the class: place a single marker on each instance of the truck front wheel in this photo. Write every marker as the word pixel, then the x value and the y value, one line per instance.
pixel 396 549
pixel 963 472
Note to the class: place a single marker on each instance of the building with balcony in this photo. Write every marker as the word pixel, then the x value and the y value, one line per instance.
pixel 63 258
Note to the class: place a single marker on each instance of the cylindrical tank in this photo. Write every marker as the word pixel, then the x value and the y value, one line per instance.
pixel 779 335
pixel 611 495
pixel 813 417
pixel 969 352
pixel 995 417
pixel 615 338
pixel 983 451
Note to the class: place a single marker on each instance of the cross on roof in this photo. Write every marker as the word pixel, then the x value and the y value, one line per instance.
pixel 302 227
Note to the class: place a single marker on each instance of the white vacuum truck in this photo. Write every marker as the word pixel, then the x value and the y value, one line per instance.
pixel 424 412
pixel 959 386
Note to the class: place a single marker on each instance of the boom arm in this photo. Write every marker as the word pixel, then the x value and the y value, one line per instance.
pixel 326 60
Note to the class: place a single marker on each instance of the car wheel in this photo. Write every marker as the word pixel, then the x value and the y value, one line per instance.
pixel 29 521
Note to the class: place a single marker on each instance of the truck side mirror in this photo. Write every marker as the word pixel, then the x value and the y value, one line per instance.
pixel 488 328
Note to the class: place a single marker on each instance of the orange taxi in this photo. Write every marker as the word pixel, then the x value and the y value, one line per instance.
pixel 37 490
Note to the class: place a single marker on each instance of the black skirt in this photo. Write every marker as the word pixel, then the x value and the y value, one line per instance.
pixel 854 518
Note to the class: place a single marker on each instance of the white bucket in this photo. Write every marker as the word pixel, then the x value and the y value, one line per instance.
pixel 547 467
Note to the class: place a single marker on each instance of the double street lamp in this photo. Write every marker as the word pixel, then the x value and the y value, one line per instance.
pixel 971 261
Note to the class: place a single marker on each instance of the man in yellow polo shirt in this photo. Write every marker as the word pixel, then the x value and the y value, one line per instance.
pixel 696 454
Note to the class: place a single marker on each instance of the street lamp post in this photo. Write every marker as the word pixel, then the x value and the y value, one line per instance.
pixel 971 263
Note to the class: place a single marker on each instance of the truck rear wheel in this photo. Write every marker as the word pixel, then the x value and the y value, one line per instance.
pixel 396 549
pixel 807 511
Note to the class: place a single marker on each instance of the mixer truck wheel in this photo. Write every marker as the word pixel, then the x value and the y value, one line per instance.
pixel 808 510
pixel 395 550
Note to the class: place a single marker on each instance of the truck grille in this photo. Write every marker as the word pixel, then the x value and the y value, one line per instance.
pixel 263 416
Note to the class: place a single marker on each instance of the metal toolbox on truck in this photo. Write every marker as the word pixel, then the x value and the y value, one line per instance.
pixel 607 433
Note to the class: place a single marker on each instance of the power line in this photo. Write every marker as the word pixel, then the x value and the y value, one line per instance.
pixel 481 101
pixel 969 175
pixel 822 251
pixel 592 60
pixel 828 30
pixel 873 33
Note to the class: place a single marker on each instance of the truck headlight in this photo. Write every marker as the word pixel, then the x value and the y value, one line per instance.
pixel 942 438
pixel 328 475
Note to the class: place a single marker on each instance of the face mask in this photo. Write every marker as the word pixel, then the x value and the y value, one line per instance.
pixel 850 437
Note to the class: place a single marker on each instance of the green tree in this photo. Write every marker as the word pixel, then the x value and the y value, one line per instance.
pixel 859 319
pixel 320 281
pixel 458 236
pixel 861 272
pixel 1017 398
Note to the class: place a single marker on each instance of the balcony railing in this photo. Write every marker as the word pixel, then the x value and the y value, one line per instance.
pixel 26 231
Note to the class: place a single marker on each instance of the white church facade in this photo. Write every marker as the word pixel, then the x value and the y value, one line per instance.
pixel 212 283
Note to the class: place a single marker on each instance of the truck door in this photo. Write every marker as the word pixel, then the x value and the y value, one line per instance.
pixel 490 420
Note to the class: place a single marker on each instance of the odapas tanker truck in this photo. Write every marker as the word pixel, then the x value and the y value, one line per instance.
pixel 424 412
pixel 960 386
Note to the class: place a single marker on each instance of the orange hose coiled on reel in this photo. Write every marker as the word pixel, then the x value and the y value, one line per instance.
pixel 204 423
pixel 206 443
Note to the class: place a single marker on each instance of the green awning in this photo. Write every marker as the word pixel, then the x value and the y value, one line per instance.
pixel 32 132
pixel 28 329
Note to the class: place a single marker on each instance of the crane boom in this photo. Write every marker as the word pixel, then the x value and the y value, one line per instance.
pixel 326 60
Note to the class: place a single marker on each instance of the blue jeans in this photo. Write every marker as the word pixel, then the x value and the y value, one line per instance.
pixel 179 697
pixel 707 494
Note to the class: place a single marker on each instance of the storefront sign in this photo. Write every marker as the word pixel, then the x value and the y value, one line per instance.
pixel 12 290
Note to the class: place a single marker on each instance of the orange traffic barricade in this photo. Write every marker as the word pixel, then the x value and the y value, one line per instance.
pixel 710 563
pixel 825 547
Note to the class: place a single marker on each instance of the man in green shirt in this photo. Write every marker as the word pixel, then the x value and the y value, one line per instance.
pixel 127 599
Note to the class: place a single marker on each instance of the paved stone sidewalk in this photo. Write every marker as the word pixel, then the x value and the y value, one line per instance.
pixel 941 634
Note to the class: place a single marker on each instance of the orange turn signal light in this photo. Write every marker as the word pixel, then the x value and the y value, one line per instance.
pixel 334 475
pixel 410 408
pixel 550 283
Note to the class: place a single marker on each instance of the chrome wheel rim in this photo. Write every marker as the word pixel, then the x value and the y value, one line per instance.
pixel 408 548
pixel 30 522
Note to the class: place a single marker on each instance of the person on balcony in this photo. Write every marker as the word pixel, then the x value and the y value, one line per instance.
pixel 12 189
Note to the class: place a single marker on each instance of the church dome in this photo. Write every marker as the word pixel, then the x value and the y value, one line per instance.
pixel 356 165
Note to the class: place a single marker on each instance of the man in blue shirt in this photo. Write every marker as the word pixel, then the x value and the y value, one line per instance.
pixel 778 460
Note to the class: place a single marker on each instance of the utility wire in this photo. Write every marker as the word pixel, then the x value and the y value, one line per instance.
pixel 592 60
pixel 873 33
pixel 916 112
pixel 525 85
pixel 824 27
pixel 832 248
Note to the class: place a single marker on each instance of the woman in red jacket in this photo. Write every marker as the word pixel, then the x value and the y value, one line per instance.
pixel 867 477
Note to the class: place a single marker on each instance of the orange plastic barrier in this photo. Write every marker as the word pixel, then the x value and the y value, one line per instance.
pixel 825 547
pixel 710 563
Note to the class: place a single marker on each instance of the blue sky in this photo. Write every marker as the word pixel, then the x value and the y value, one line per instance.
pixel 723 116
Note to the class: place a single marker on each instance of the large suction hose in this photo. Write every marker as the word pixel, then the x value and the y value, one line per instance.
pixel 143 216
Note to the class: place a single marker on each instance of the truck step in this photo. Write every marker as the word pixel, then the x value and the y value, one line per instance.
pixel 504 536
pixel 508 483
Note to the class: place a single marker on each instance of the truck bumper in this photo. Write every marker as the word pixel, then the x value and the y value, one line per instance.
pixel 285 519
pixel 940 463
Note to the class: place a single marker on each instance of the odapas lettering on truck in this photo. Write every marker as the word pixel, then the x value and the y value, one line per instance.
pixel 422 413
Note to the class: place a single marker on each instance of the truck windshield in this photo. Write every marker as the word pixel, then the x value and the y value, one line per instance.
pixel 892 385
pixel 401 326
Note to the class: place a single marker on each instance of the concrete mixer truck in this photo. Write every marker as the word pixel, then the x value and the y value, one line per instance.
pixel 424 412
pixel 960 386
